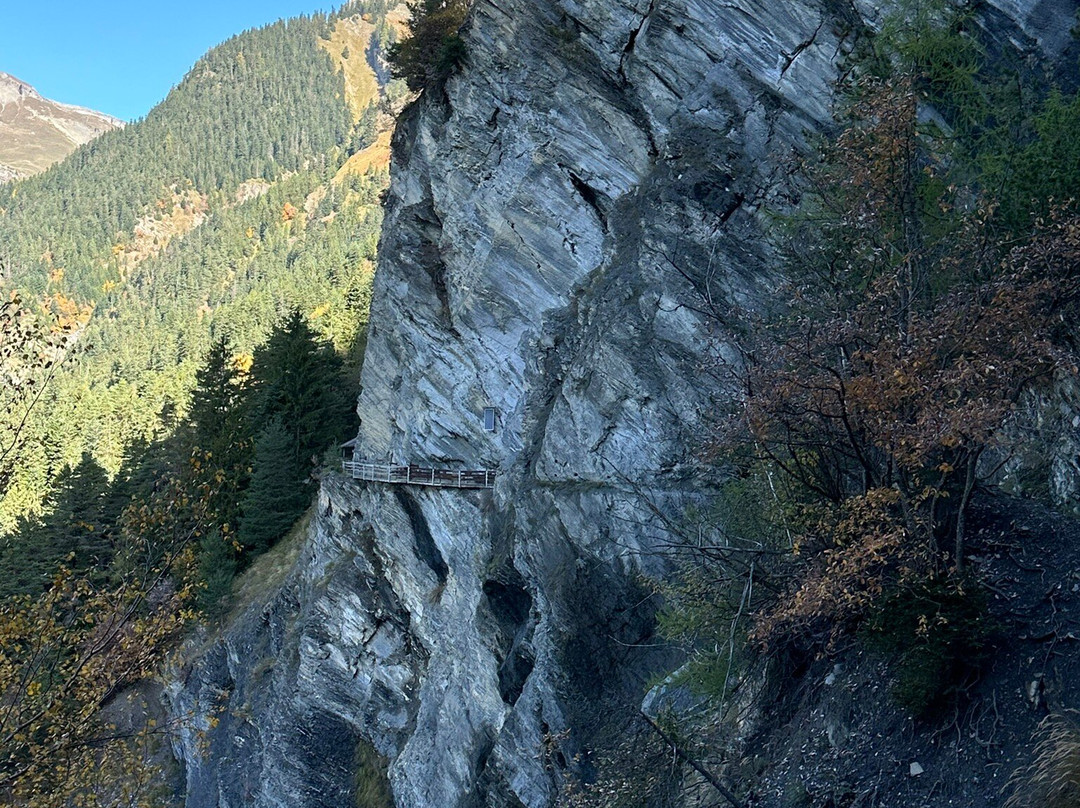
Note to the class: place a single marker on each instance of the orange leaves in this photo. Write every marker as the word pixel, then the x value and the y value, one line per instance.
pixel 910 336
pixel 862 548
pixel 288 212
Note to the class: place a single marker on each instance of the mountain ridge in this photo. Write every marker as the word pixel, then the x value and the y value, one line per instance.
pixel 36 132
pixel 197 221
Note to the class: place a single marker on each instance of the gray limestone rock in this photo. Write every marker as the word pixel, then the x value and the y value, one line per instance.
pixel 570 221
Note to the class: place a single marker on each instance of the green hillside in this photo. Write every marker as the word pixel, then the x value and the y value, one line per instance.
pixel 251 190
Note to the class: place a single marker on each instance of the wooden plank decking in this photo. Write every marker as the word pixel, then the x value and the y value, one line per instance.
pixel 418 475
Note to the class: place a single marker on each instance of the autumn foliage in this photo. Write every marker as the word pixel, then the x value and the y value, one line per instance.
pixel 70 653
pixel 64 657
pixel 885 391
pixel 35 337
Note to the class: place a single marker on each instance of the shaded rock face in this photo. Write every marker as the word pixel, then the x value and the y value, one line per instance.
pixel 569 222
pixel 323 660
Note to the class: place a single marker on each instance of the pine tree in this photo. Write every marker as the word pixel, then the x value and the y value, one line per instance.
pixel 299 381
pixel 278 493
pixel 217 568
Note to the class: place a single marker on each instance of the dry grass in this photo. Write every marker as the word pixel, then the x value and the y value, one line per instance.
pixel 361 85
pixel 372 786
pixel 399 17
pixel 375 157
pixel 1052 779
pixel 174 217
pixel 266 575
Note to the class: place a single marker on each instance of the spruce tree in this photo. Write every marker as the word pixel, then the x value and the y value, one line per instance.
pixel 214 417
pixel 79 526
pixel 299 380
pixel 278 492
pixel 219 434
pixel 27 560
pixel 78 533
pixel 217 568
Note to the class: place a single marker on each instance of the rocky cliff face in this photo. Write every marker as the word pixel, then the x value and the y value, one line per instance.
pixel 36 132
pixel 569 222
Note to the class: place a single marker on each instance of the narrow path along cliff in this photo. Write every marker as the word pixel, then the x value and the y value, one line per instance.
pixel 571 218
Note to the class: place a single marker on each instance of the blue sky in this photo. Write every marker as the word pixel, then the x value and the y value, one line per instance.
pixel 123 56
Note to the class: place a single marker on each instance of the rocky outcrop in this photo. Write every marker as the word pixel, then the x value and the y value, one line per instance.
pixel 36 132
pixel 571 220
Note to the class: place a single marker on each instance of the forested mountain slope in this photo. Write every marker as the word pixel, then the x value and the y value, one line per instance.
pixel 250 190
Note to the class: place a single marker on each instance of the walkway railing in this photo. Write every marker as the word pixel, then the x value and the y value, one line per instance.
pixel 418 475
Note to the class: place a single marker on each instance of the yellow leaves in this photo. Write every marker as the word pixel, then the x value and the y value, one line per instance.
pixel 923 628
pixel 68 315
pixel 91 642
pixel 863 546
pixel 288 212
pixel 242 362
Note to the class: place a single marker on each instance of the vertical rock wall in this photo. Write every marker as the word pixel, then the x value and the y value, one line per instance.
pixel 569 221
pixel 560 222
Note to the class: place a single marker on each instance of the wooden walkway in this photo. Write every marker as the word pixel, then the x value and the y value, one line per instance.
pixel 418 475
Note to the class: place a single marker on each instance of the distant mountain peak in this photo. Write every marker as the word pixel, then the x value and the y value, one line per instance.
pixel 14 90
pixel 36 132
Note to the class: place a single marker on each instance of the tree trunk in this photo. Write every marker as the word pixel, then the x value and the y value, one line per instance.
pixel 713 781
pixel 965 498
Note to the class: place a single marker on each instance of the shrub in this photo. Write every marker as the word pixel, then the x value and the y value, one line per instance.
pixel 433 49
pixel 846 556
pixel 939 628
pixel 724 578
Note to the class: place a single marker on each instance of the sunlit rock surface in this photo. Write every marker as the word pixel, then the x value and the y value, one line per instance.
pixel 569 223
